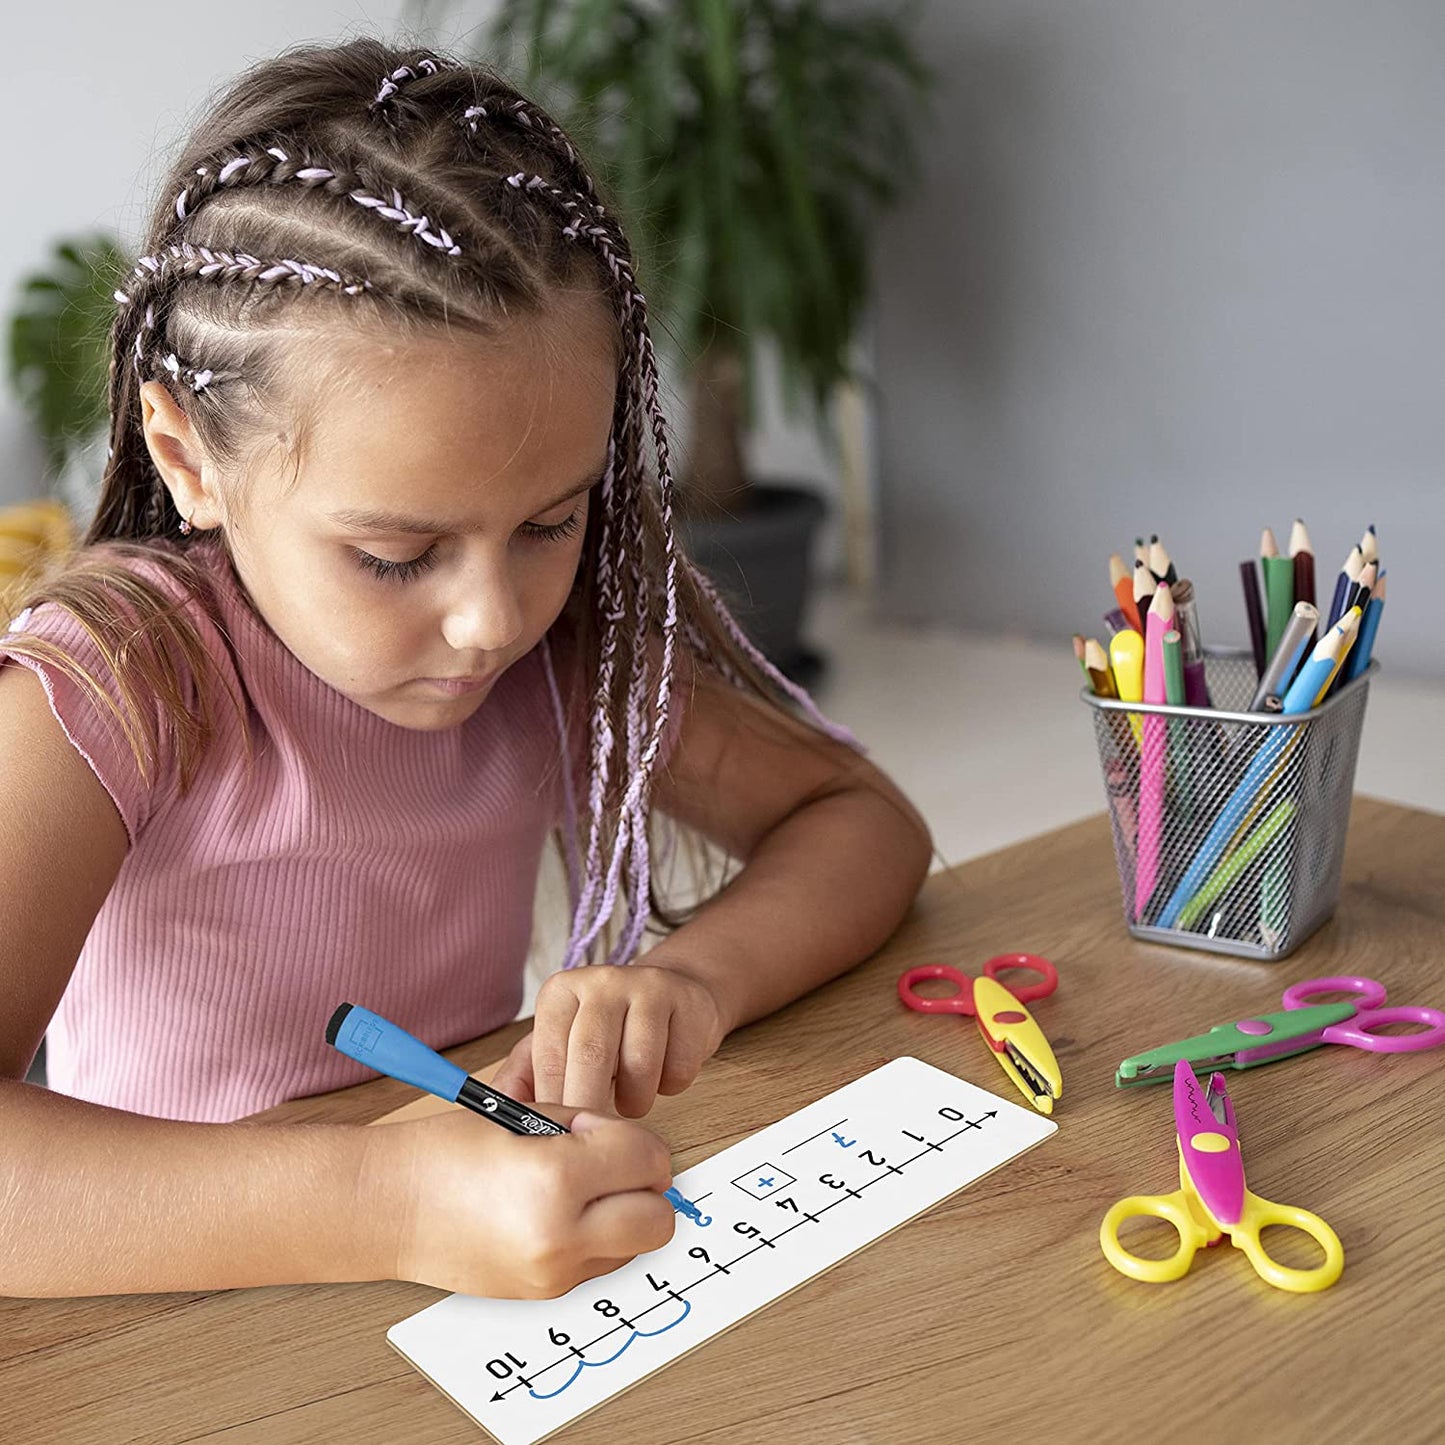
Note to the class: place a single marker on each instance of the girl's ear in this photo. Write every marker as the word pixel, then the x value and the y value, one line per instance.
pixel 179 457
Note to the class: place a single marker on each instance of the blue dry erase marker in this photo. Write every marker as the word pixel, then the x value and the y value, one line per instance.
pixel 389 1049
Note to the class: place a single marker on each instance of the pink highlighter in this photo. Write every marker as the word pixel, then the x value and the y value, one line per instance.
pixel 1152 751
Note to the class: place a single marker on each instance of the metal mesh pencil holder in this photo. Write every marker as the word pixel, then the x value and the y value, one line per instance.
pixel 1229 826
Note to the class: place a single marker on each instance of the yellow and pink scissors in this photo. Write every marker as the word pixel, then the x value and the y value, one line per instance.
pixel 1212 1200
pixel 1016 1041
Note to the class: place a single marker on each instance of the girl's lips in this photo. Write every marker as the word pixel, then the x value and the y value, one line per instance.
pixel 459 686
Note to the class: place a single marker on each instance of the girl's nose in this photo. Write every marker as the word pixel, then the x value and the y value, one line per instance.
pixel 484 613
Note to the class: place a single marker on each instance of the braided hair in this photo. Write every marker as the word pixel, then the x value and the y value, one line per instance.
pixel 400 188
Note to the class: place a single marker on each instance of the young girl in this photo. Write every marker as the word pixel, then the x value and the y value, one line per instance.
pixel 382 589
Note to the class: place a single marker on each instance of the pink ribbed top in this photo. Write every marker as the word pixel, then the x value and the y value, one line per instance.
pixel 353 859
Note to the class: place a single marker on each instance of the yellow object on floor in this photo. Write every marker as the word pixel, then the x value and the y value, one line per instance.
pixel 32 535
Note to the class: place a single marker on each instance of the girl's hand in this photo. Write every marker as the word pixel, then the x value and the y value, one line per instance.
pixel 625 1034
pixel 485 1212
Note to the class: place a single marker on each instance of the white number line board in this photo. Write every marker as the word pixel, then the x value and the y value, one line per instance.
pixel 781 1206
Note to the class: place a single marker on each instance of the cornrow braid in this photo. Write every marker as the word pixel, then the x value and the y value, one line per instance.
pixel 275 166
pixel 391 84
pixel 197 380
pixel 534 119
pixel 207 263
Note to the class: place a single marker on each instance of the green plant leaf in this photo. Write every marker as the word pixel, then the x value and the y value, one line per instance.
pixel 58 343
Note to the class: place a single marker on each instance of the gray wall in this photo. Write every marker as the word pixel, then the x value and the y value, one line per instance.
pixel 1173 267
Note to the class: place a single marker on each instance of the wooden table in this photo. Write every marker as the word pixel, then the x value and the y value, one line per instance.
pixel 991 1317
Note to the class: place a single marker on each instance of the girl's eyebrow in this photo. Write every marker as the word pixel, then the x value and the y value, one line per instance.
pixel 374 520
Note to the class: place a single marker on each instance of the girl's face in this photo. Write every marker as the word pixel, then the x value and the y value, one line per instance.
pixel 434 531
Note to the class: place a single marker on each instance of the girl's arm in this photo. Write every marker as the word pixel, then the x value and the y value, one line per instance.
pixel 95 1200
pixel 833 854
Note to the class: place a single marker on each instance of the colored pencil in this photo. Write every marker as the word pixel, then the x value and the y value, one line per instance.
pixel 1159 562
pixel 1144 586
pixel 1349 575
pixel 1096 664
pixel 1123 587
pixel 1359 594
pixel 1278 591
pixel 1152 753
pixel 1303 553
pixel 1237 862
pixel 1311 683
pixel 1360 655
pixel 1249 578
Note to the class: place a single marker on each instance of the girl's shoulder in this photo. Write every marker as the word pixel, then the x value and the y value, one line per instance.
pixel 130 643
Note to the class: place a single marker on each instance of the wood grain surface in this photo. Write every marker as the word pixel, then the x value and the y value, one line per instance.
pixel 992 1317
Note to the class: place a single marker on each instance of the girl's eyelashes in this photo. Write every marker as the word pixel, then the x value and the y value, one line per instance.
pixel 557 531
pixel 396 571
pixel 414 567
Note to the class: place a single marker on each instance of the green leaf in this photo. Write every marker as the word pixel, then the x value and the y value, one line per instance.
pixel 59 344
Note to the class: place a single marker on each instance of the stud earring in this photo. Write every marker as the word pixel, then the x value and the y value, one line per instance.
pixel 186 528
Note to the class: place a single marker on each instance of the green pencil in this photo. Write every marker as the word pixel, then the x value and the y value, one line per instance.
pixel 1235 864
pixel 1179 728
pixel 1278 590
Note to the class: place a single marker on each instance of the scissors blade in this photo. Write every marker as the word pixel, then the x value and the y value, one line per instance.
pixel 1253 1040
pixel 1210 1162
pixel 1018 1043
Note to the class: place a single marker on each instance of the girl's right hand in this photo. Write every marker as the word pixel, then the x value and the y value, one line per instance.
pixel 485 1212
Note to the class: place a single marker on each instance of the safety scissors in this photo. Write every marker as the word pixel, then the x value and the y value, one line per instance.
pixel 1017 1042
pixel 1212 1200
pixel 1302 1025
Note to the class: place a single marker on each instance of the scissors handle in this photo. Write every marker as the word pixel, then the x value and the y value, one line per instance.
pixel 1359 1032
pixel 1259 1214
pixel 1028 992
pixel 952 1003
pixel 1366 992
pixel 1173 1209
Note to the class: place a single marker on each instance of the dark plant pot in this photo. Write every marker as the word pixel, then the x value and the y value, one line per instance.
pixel 760 557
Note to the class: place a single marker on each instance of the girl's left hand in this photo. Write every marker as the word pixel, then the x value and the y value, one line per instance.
pixel 632 1031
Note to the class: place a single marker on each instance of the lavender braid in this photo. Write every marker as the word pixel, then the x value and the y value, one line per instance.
pixel 207 263
pixel 583 221
pixel 275 166
pixel 391 84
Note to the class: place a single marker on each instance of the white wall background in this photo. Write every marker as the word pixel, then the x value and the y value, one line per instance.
pixel 1174 267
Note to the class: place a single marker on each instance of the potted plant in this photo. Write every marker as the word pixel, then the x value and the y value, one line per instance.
pixel 58 344
pixel 750 146
pixel 57 347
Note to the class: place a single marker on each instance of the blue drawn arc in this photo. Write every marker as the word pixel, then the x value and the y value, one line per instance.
pixel 583 1364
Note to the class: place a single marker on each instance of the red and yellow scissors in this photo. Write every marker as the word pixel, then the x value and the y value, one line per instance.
pixel 1017 1042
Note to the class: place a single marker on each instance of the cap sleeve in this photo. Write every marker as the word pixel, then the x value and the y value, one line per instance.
pixel 94 729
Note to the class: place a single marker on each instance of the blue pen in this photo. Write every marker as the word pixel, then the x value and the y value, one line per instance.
pixel 1303 693
pixel 389 1049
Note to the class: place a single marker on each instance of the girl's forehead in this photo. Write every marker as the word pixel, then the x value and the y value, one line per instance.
pixel 516 416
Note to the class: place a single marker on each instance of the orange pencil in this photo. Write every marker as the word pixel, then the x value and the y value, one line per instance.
pixel 1122 581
